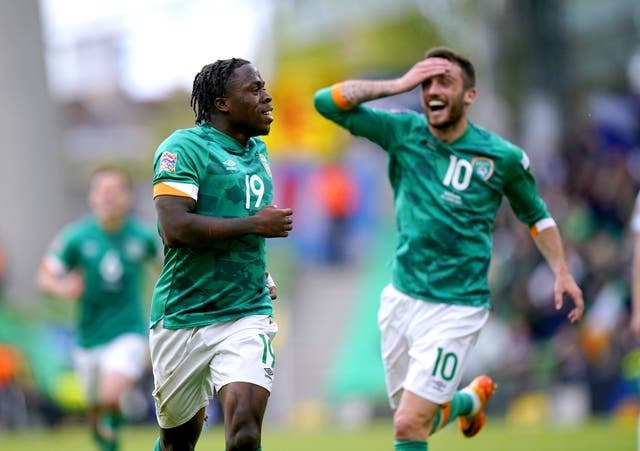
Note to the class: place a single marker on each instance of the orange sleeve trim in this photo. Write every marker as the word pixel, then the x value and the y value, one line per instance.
pixel 162 189
pixel 338 97
pixel 541 225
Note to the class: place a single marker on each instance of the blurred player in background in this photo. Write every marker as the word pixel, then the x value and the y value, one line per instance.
pixel 211 315
pixel 99 262
pixel 635 279
pixel 448 176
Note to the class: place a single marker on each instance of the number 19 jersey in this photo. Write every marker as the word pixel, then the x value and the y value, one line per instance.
pixel 224 280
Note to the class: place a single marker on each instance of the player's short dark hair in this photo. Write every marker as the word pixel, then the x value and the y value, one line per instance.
pixel 118 169
pixel 468 71
pixel 210 83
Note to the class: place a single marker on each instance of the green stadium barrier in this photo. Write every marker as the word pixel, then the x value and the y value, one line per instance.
pixel 357 371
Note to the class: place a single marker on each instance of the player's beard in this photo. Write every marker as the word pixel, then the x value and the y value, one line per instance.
pixel 456 114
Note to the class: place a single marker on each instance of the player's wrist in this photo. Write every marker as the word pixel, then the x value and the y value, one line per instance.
pixel 250 225
pixel 562 271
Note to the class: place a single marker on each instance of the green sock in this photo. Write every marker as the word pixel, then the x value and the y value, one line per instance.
pixel 111 422
pixel 156 447
pixel 104 444
pixel 460 405
pixel 114 420
pixel 410 445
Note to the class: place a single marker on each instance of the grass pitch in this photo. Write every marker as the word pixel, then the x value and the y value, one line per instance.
pixel 597 435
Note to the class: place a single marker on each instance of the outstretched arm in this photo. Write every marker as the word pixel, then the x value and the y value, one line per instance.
pixel 549 243
pixel 355 92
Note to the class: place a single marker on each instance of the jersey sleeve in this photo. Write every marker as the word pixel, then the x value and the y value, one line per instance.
pixel 376 125
pixel 175 169
pixel 522 194
pixel 62 254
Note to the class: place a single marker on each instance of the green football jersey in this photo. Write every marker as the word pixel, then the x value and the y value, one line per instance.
pixel 446 198
pixel 113 268
pixel 227 180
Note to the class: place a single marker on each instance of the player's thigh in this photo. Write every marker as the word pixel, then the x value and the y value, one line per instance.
pixel 442 338
pixel 246 353
pixel 182 382
pixel 243 372
pixel 243 405
pixel 393 319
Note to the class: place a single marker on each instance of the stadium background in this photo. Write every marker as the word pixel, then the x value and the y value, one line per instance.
pixel 559 78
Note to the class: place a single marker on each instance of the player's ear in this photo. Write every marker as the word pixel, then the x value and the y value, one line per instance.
pixel 470 96
pixel 221 103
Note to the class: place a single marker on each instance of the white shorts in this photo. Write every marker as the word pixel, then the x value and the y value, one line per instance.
pixel 425 344
pixel 189 364
pixel 127 354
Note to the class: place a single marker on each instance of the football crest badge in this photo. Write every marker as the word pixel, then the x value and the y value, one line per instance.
pixel 483 167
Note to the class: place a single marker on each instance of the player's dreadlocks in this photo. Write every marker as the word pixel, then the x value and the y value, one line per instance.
pixel 211 83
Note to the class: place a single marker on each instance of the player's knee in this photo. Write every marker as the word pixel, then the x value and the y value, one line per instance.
pixel 173 444
pixel 183 437
pixel 411 426
pixel 244 438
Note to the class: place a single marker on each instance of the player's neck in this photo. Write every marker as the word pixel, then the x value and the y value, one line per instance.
pixel 112 225
pixel 224 126
pixel 451 132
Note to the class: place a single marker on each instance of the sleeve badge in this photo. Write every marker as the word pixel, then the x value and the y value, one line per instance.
pixel 168 162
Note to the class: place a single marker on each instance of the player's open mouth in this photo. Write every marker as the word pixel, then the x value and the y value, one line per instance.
pixel 436 105
pixel 268 115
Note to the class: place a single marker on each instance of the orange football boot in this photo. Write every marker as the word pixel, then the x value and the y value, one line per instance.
pixel 484 387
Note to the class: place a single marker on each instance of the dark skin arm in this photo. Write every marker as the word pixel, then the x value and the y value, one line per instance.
pixel 180 226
